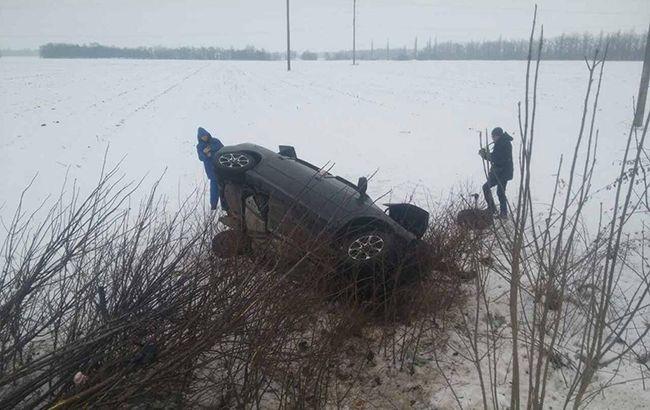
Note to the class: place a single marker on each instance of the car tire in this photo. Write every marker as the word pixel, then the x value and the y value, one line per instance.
pixel 233 163
pixel 367 248
pixel 229 244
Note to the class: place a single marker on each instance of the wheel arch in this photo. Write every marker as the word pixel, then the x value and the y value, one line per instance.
pixel 256 155
pixel 363 222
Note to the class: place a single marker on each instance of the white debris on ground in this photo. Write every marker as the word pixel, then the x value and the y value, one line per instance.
pixel 416 123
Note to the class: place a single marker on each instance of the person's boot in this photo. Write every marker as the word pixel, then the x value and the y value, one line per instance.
pixel 503 211
pixel 489 200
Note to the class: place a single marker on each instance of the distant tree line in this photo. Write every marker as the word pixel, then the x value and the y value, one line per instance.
pixel 61 50
pixel 308 55
pixel 18 53
pixel 622 46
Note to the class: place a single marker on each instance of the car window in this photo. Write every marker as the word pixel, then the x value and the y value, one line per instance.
pixel 346 182
pixel 322 171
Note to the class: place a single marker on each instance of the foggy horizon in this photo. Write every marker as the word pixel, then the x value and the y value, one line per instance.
pixel 316 25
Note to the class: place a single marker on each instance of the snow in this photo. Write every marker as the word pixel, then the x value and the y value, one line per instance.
pixel 414 122
pixel 623 385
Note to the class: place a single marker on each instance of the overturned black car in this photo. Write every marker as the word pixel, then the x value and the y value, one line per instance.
pixel 278 195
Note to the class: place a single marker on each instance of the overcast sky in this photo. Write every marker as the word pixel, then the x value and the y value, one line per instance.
pixel 316 24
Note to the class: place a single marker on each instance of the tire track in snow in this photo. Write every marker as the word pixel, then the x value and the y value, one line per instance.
pixel 121 94
pixel 110 130
pixel 327 91
pixel 156 97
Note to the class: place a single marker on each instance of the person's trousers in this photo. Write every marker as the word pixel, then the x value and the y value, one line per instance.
pixel 215 195
pixel 493 180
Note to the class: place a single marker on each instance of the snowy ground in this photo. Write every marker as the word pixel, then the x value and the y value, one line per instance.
pixel 414 122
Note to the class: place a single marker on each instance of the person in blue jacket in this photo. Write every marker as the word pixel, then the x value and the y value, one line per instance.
pixel 207 149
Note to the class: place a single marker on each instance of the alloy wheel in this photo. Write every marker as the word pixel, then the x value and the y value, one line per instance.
pixel 234 161
pixel 366 247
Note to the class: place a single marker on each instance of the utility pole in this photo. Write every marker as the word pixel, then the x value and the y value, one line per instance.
pixel 372 49
pixel 387 49
pixel 415 49
pixel 288 40
pixel 354 32
pixel 643 88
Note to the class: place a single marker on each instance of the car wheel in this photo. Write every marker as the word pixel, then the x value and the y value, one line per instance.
pixel 367 248
pixel 235 162
pixel 229 244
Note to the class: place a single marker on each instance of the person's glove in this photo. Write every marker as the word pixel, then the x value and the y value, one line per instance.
pixel 483 153
pixel 206 149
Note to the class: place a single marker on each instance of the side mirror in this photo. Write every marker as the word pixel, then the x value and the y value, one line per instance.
pixel 288 151
pixel 362 186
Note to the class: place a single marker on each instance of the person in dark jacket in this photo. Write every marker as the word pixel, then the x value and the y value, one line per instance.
pixel 207 148
pixel 500 172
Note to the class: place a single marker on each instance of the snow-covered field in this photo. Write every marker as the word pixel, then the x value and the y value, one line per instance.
pixel 414 122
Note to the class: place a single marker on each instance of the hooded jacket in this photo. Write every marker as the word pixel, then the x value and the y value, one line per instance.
pixel 207 159
pixel 501 158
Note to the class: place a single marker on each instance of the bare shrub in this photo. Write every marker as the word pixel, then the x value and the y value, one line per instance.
pixel 570 309
pixel 108 305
